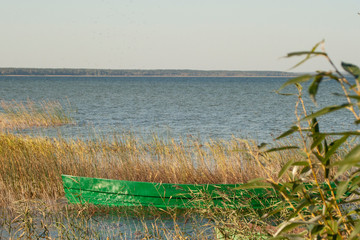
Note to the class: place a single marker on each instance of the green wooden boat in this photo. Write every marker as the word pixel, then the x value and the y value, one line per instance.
pixel 81 190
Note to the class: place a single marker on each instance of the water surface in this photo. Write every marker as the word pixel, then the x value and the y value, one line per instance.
pixel 212 107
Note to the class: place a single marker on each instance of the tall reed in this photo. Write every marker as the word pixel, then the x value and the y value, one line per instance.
pixel 20 115
pixel 31 167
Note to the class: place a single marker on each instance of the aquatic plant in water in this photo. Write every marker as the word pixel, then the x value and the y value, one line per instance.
pixel 20 115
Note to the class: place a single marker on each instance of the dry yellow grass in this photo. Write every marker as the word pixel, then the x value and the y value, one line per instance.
pixel 20 115
pixel 31 167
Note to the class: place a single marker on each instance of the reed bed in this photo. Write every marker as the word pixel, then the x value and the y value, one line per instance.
pixel 31 167
pixel 20 115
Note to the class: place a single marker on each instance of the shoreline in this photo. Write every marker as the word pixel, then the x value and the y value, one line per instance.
pixel 167 76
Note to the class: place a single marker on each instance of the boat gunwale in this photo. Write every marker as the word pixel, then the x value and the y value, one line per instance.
pixel 169 190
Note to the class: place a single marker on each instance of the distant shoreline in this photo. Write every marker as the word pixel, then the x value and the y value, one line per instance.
pixel 168 76
pixel 82 72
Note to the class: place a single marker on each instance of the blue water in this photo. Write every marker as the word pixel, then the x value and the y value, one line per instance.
pixel 171 107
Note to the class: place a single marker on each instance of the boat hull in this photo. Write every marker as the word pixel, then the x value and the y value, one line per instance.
pixel 98 191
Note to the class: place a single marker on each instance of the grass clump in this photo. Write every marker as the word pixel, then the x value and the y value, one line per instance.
pixel 20 115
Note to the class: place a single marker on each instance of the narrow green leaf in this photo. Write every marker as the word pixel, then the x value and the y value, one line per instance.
pixel 298 87
pixel 350 160
pixel 305 170
pixel 308 56
pixel 317 141
pixel 317 45
pixel 282 148
pixel 328 75
pixel 352 69
pixel 301 163
pixel 299 189
pixel 286 94
pixel 285 168
pixel 305 203
pixel 326 146
pixel 318 156
pixel 325 110
pixel 288 226
pixel 353 156
pixel 336 144
pixel 350 96
pixel 341 189
pixel 316 229
pixel 315 128
pixel 300 79
pixel 313 88
pixel 342 133
pixel 308 53
pixel 288 132
pixel 279 188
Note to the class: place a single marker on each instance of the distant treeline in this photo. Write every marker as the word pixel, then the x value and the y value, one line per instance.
pixel 136 73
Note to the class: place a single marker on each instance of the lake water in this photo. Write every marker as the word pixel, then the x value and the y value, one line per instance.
pixel 177 107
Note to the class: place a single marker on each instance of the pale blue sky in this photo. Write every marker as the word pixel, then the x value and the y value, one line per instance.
pixel 169 34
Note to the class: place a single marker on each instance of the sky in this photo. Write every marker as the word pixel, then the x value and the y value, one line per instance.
pixel 181 34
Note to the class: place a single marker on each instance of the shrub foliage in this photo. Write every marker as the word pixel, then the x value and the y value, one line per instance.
pixel 320 190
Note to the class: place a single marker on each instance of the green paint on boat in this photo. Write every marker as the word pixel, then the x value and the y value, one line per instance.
pixel 98 191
